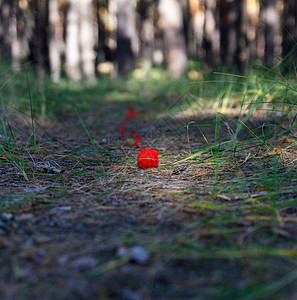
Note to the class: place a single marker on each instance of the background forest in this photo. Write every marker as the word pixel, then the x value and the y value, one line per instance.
pixel 84 38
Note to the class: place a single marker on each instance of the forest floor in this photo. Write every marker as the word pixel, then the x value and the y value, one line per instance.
pixel 89 223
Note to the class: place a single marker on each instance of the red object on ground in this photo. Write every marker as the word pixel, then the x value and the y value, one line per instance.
pixel 148 158
pixel 122 130
pixel 137 139
pixel 131 114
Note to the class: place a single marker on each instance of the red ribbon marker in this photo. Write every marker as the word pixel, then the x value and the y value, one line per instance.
pixel 146 158
pixel 137 139
pixel 131 114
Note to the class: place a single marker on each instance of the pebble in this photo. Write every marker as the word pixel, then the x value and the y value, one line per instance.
pixel 135 253
pixel 84 263
pixel 6 216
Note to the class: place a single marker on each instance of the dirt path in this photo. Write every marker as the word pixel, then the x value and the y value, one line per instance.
pixel 93 225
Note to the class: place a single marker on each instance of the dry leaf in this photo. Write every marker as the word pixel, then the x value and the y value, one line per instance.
pixel 287 140
pixel 193 211
pixel 130 142
pixel 276 151
pixel 224 197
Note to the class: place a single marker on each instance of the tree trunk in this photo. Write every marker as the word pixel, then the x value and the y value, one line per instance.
pixel 111 31
pixel 174 42
pixel 14 36
pixel 253 9
pixel 289 48
pixel 38 43
pixel 126 34
pixel 229 16
pixel 186 21
pixel 5 41
pixel 80 59
pixel 242 53
pixel 212 33
pixel 101 8
pixel 146 32
pixel 196 8
pixel 260 36
pixel 54 40
pixel 87 38
pixel 271 19
pixel 20 32
pixel 72 41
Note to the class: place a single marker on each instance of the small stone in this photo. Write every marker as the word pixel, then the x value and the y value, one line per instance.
pixel 6 216
pixel 135 253
pixel 84 263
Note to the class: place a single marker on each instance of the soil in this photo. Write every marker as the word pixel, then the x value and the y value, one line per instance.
pixel 90 224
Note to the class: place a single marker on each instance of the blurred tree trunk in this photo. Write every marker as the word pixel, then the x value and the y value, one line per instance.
pixel 72 51
pixel 212 33
pixel 229 15
pixel 158 51
pixel 80 59
pixel 38 44
pixel 54 40
pixel 271 20
pixel 253 9
pixel 289 42
pixel 243 51
pixel 171 19
pixel 20 32
pixel 126 36
pixel 196 9
pixel 234 27
pixel 146 32
pixel 87 38
pixel 14 36
pixel 260 36
pixel 111 31
pixel 101 9
pixel 186 20
pixel 5 41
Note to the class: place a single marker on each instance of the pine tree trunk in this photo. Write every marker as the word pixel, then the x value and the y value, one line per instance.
pixel 5 41
pixel 87 38
pixel 14 36
pixel 126 33
pixel 111 32
pixel 146 33
pixel 212 33
pixel 80 58
pixel 253 9
pixel 271 20
pixel 20 33
pixel 38 44
pixel 72 41
pixel 174 41
pixel 196 8
pixel 101 32
pixel 229 15
pixel 242 53
pixel 54 40
pixel 289 48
